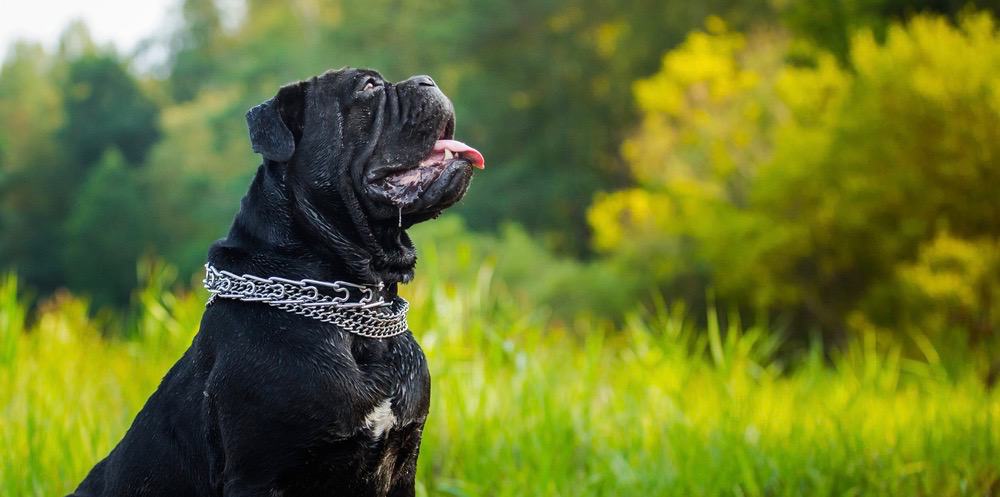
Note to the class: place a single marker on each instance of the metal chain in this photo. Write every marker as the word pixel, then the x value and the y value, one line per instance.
pixel 367 316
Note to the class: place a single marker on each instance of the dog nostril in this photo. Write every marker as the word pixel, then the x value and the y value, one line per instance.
pixel 423 80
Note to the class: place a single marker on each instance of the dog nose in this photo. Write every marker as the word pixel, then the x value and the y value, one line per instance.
pixel 423 80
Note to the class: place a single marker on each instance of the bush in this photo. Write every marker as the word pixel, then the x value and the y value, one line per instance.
pixel 803 188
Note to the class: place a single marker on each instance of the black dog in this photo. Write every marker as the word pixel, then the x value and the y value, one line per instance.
pixel 271 403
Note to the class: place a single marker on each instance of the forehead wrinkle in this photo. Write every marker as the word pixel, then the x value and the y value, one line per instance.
pixel 375 134
pixel 323 131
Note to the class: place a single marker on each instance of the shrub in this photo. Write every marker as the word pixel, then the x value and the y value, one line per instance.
pixel 803 187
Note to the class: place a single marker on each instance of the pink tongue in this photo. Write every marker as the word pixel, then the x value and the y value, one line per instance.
pixel 463 150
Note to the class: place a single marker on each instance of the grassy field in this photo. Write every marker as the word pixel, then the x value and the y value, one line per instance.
pixel 525 406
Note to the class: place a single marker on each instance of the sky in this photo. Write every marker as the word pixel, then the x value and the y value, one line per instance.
pixel 121 22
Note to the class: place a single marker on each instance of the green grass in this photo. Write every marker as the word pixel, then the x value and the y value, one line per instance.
pixel 524 406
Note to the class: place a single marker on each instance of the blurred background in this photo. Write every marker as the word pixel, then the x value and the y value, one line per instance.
pixel 798 196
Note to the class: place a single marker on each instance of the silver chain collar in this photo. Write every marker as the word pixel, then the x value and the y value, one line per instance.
pixel 368 315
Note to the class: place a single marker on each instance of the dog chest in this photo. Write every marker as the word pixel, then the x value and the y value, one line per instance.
pixel 399 384
pixel 380 419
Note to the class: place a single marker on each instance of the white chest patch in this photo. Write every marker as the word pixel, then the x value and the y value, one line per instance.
pixel 381 418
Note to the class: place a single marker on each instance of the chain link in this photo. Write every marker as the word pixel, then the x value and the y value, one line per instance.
pixel 368 316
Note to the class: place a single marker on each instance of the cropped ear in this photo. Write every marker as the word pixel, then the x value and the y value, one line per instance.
pixel 276 124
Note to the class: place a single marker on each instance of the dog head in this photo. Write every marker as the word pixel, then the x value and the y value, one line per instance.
pixel 393 141
pixel 364 158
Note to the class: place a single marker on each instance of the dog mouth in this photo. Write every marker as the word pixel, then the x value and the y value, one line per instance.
pixel 445 151
pixel 403 187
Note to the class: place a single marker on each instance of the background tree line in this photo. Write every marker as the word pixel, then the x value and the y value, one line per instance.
pixel 831 163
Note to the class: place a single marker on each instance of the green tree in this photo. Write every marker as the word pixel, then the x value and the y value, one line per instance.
pixel 107 231
pixel 198 177
pixel 31 164
pixel 194 48
pixel 105 108
pixel 58 115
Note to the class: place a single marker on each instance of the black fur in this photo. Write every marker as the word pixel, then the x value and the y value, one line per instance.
pixel 268 403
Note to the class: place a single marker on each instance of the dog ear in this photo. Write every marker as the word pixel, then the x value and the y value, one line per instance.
pixel 276 124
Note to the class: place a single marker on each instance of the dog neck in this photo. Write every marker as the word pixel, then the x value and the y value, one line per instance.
pixel 304 240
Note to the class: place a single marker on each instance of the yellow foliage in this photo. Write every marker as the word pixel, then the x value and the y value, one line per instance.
pixel 814 92
pixel 700 131
pixel 939 61
pixel 955 280
pixel 703 69
pixel 618 215
pixel 810 186
pixel 607 36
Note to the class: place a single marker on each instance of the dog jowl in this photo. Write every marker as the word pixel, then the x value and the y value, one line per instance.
pixel 303 378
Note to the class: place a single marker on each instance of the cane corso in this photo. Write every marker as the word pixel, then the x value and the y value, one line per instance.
pixel 268 402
